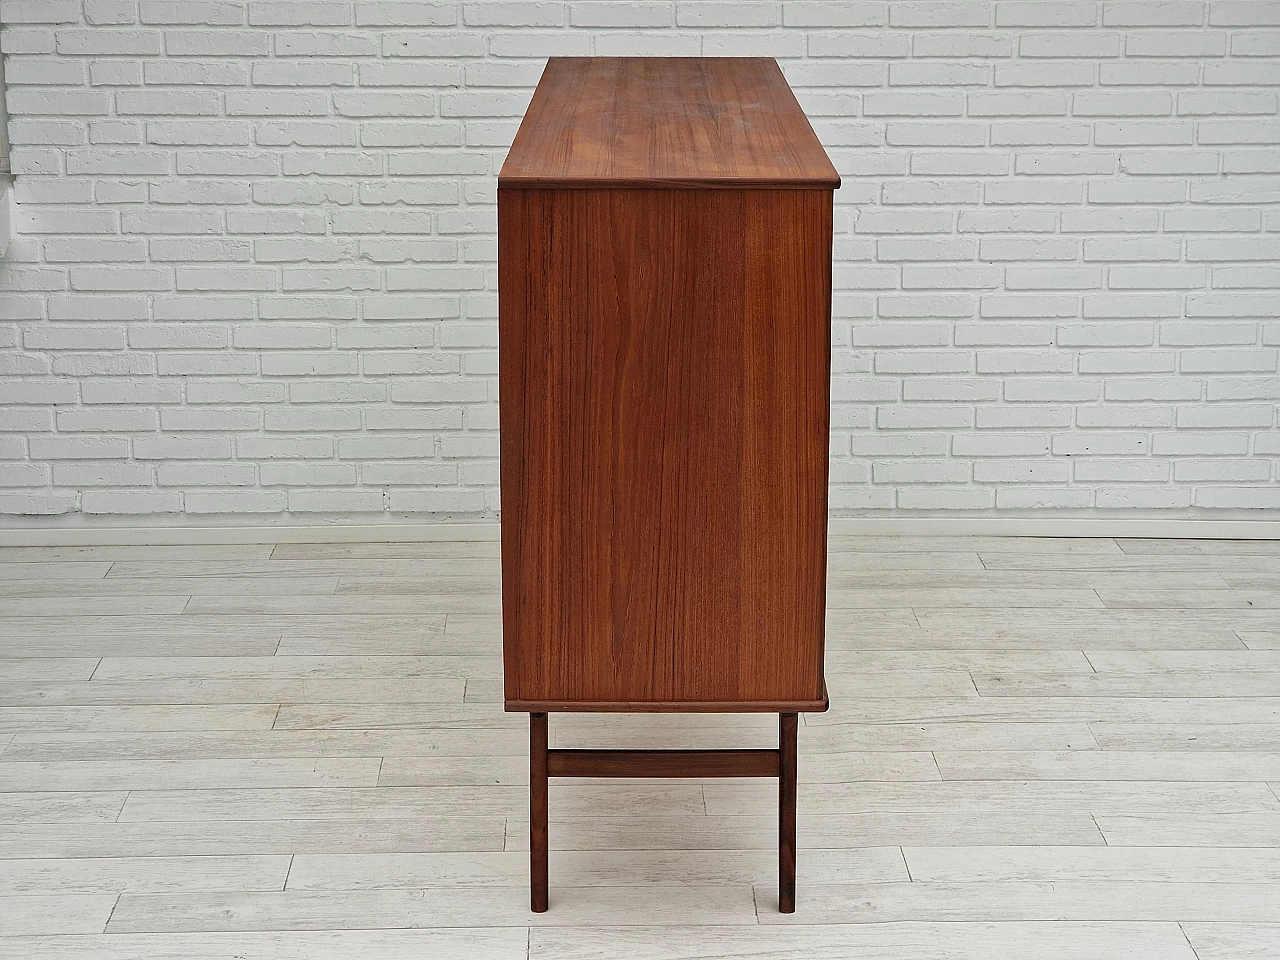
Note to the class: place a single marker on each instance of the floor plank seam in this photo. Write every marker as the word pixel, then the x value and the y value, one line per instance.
pixel 1194 951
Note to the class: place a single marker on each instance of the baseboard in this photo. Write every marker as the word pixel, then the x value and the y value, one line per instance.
pixel 336 533
pixel 1157 528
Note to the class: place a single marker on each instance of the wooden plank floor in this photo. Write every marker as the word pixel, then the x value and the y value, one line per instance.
pixel 1051 748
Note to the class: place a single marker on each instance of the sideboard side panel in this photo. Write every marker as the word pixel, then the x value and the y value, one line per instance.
pixel 664 372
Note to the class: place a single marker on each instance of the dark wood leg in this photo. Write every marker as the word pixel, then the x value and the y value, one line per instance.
pixel 780 763
pixel 538 812
pixel 787 727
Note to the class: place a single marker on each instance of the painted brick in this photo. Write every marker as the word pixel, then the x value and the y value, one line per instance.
pixel 266 229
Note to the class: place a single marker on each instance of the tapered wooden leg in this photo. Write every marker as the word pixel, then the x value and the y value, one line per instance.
pixel 787 724
pixel 538 812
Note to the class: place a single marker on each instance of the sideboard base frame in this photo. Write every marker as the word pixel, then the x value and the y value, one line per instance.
pixel 700 764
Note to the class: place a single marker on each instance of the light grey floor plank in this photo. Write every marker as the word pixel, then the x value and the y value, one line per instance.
pixel 944 597
pixel 210 691
pixel 1159 737
pixel 226 744
pixel 290 667
pixel 355 644
pixel 1182 661
pixel 1191 684
pixel 1128 901
pixel 170 586
pixel 390 716
pixel 224 716
pixel 18 570
pixel 203 838
pixel 436 771
pixel 176 642
pixel 446 586
pixel 142 875
pixel 344 605
pixel 1240 548
pixel 1260 639
pixel 19 777
pixel 1132 563
pixel 164 632
pixel 412 569
pixel 1191 830
pixel 474 944
pixel 491 624
pixel 1137 599
pixel 1111 864
pixel 47 668
pixel 1004 579
pixel 1234 941
pixel 841 660
pixel 1177 765
pixel 52 914
pixel 1058 940
pixel 1051 545
pixel 958 827
pixel 1162 547
pixel 853 561
pixel 587 868
pixel 60 807
pixel 1252 580
pixel 433 907
pixel 847 682
pixel 109 552
pixel 846 636
pixel 1056 709
pixel 387 551
pixel 740 798
pixel 83 606
pixel 1011 621
pixel 583 799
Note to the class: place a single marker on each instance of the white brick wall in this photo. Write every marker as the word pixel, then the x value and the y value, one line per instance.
pixel 256 266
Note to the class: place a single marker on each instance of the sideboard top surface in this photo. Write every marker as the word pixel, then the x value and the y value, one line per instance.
pixel 665 122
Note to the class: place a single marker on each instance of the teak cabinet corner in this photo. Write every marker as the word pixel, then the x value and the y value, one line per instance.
pixel 664 273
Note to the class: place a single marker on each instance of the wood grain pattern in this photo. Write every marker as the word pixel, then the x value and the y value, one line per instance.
pixel 664 390
pixel 664 445
pixel 663 121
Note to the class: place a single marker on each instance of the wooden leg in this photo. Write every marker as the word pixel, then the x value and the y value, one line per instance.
pixel 787 724
pixel 538 812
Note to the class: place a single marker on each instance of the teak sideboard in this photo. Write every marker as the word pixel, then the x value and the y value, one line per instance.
pixel 664 277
